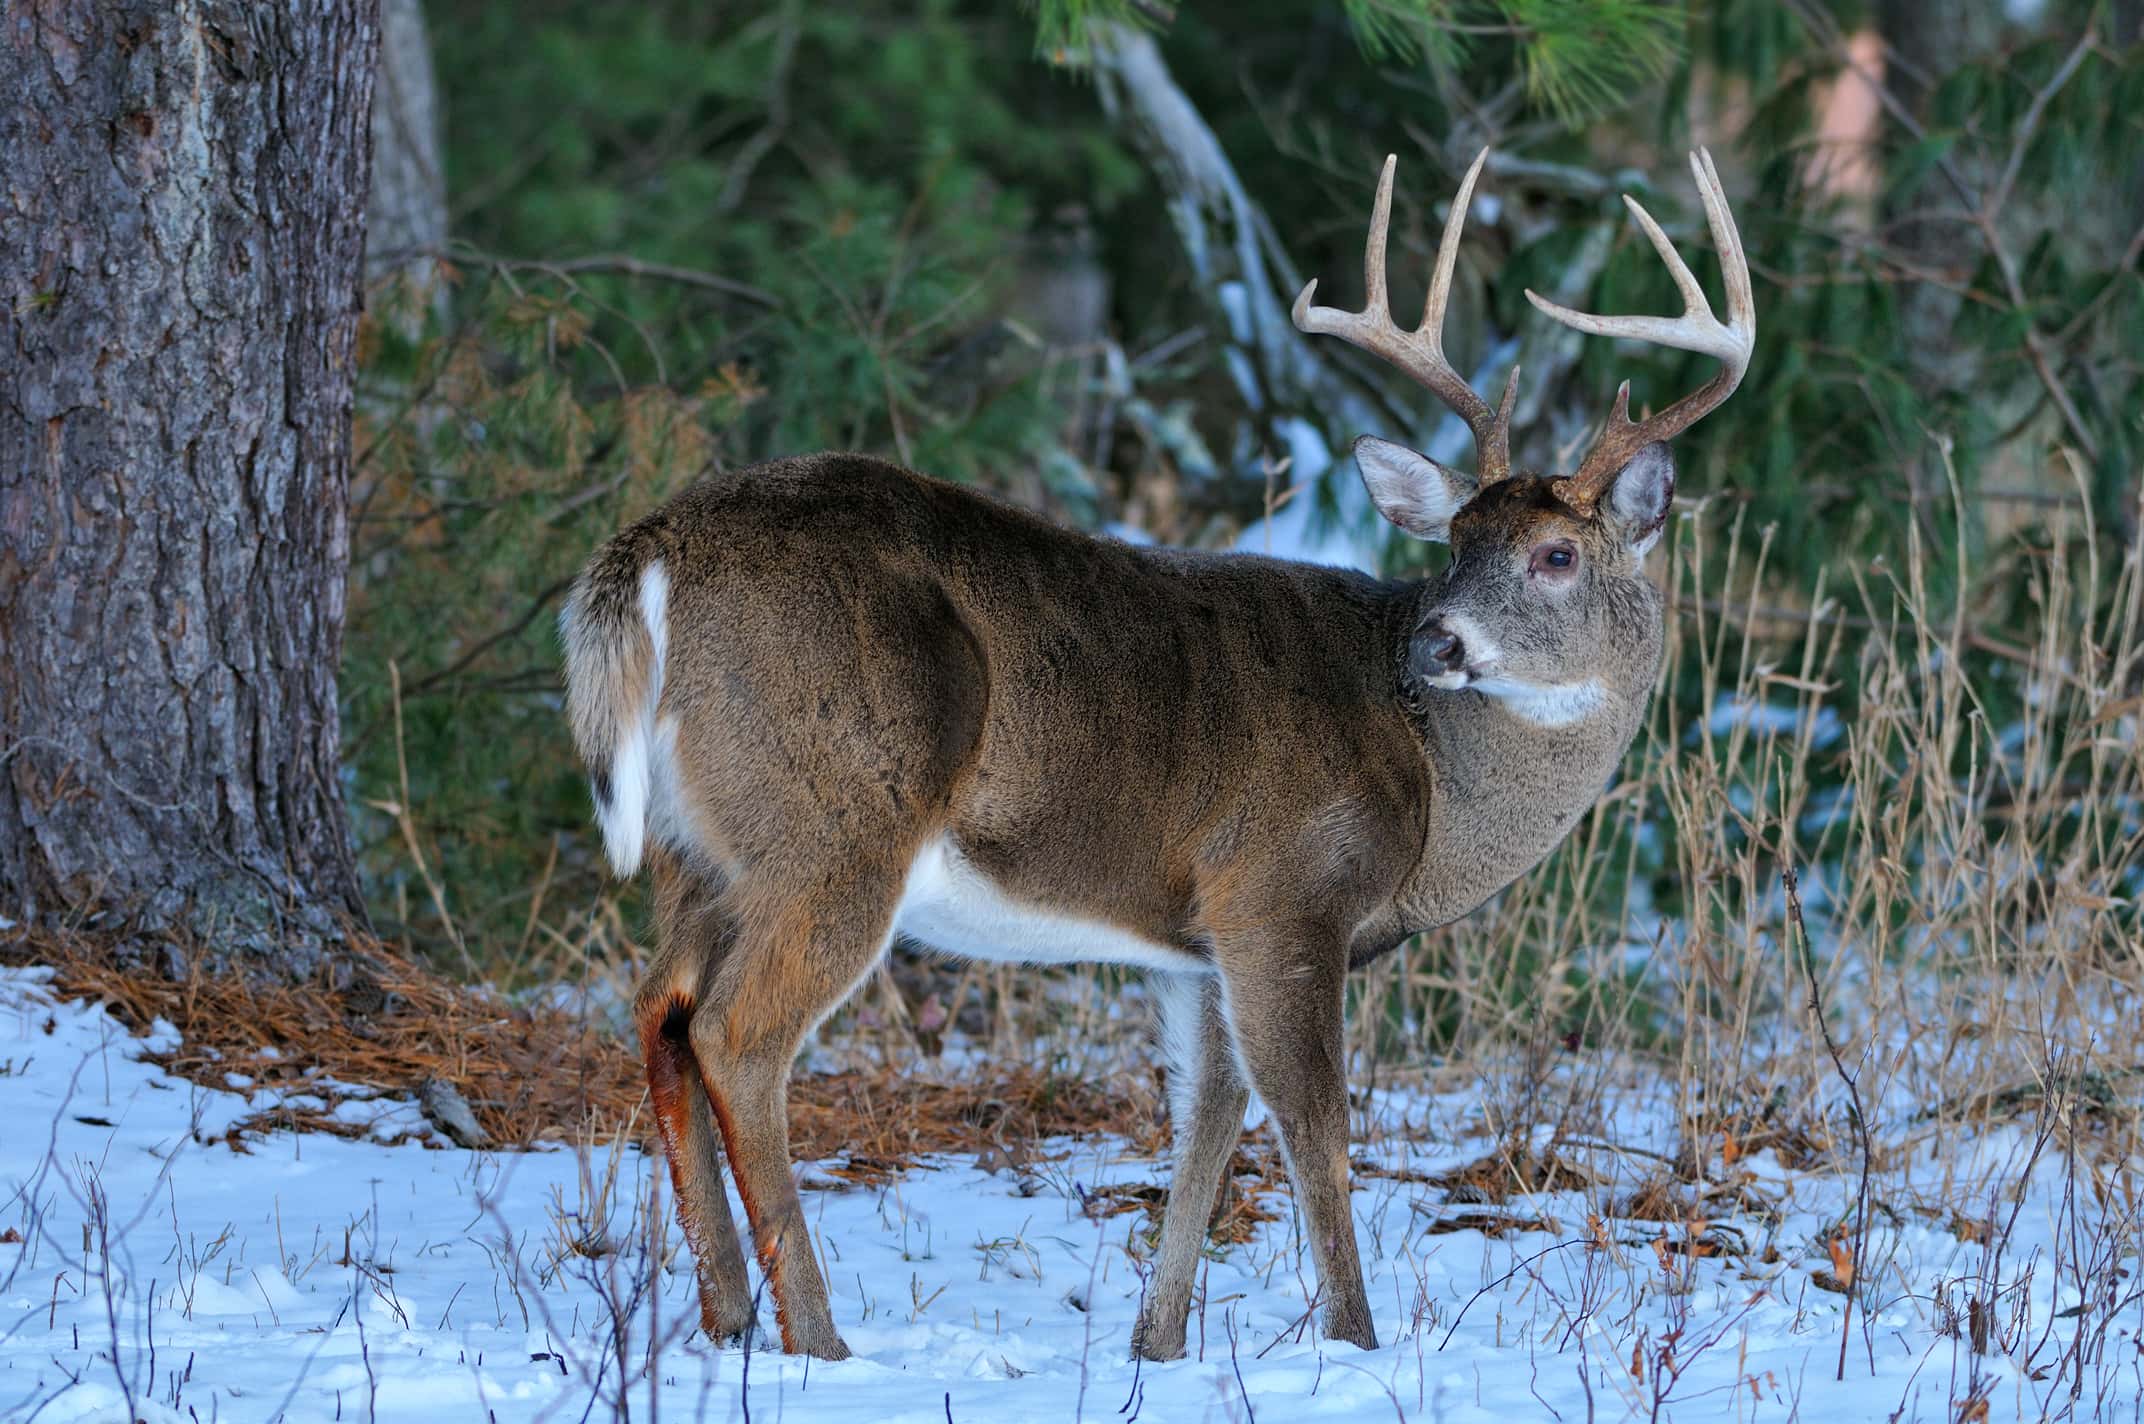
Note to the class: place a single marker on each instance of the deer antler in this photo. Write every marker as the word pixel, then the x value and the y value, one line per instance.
pixel 1420 353
pixel 1697 329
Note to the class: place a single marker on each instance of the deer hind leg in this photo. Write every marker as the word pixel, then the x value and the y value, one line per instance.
pixel 693 934
pixel 794 964
pixel 1206 1101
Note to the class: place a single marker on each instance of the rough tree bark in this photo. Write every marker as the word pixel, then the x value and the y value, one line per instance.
pixel 182 199
pixel 406 212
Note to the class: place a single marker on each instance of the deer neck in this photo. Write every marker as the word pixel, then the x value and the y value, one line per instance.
pixel 1509 777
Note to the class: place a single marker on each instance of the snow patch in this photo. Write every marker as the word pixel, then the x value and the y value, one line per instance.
pixel 312 1275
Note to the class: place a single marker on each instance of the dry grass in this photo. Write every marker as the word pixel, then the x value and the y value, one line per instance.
pixel 1965 824
pixel 374 1021
pixel 537 1075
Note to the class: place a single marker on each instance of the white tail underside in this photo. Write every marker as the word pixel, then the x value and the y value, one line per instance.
pixel 640 760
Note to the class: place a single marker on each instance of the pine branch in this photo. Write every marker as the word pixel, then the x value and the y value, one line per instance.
pixel 1580 58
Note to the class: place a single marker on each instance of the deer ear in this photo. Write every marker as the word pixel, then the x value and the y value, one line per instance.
pixel 1417 494
pixel 1639 501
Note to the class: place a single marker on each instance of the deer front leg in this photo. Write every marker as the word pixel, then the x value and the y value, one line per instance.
pixel 1284 1000
pixel 1206 1100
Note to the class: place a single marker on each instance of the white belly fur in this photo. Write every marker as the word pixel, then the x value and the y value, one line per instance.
pixel 951 906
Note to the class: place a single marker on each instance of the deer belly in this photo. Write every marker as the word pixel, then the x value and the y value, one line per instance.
pixel 954 908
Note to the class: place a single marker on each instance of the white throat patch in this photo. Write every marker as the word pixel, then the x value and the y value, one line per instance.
pixel 1554 704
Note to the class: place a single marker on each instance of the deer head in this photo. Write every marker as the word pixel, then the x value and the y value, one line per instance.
pixel 1545 571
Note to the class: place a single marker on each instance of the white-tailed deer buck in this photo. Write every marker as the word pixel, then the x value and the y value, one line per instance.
pixel 828 700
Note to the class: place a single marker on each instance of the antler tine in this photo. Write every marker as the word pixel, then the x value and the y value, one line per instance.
pixel 1726 237
pixel 1375 303
pixel 1697 329
pixel 1419 353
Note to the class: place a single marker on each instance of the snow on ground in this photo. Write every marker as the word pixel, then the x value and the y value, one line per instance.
pixel 160 1275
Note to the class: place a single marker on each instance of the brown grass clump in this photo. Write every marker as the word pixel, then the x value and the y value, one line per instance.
pixel 370 1020
pixel 883 1119
pixel 1515 1168
pixel 1492 1224
pixel 378 1023
pixel 1518 1168
pixel 1255 1172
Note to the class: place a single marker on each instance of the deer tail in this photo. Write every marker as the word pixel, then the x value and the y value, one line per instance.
pixel 615 627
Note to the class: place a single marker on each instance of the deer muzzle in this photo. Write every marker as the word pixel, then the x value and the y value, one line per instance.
pixel 1438 653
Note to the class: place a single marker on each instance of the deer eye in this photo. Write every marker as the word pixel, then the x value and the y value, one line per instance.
pixel 1557 557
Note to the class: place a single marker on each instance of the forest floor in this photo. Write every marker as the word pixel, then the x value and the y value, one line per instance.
pixel 172 1248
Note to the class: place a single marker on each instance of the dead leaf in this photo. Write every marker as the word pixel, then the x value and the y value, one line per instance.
pixel 1842 1258
pixel 1492 1224
pixel 996 1158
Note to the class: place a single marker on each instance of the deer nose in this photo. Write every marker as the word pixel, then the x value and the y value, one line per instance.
pixel 1438 651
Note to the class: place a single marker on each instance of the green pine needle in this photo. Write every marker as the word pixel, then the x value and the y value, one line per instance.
pixel 1583 58
pixel 1580 58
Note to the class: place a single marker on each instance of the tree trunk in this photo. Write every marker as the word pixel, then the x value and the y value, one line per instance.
pixel 1933 39
pixel 406 211
pixel 180 240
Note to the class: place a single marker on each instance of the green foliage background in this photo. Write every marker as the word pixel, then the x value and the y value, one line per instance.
pixel 688 237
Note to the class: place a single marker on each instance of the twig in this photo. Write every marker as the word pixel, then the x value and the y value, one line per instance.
pixel 1852 1283
pixel 760 144
pixel 1086 1337
pixel 623 265
pixel 100 1216
pixel 617 264
pixel 1295 1324
pixel 1984 219
pixel 1499 1281
pixel 2113 285
pixel 364 1346
pixel 1981 208
pixel 1740 614
pixel 2030 123
pixel 405 821
pixel 1228 1323
pixel 485 644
